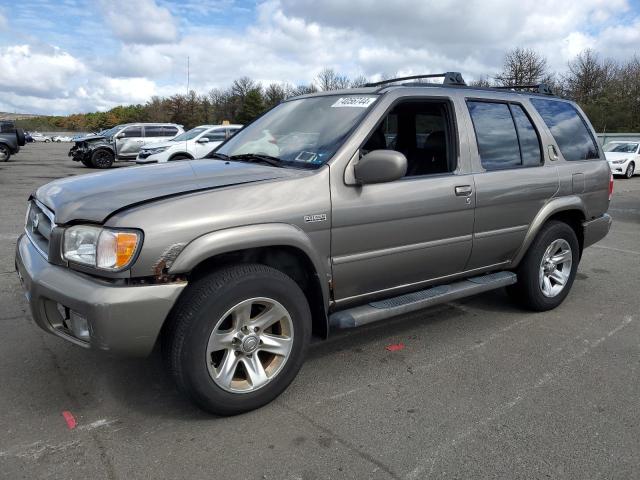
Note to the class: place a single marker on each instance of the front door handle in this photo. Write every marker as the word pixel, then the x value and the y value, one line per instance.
pixel 463 190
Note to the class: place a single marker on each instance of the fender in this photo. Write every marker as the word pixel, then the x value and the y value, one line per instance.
pixel 251 236
pixel 555 205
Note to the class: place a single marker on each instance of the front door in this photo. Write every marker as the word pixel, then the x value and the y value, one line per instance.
pixel 129 142
pixel 396 236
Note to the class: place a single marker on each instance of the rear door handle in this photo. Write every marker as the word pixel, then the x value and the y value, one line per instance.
pixel 463 190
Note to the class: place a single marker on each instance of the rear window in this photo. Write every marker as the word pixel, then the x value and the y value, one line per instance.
pixel 568 128
pixel 170 131
pixel 505 135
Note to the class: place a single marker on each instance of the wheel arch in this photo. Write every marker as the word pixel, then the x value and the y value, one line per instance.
pixel 280 246
pixel 570 210
pixel 183 154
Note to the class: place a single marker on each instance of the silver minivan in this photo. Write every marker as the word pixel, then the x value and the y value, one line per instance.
pixel 122 142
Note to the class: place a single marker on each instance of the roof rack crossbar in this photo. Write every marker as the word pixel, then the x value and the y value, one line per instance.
pixel 538 88
pixel 449 78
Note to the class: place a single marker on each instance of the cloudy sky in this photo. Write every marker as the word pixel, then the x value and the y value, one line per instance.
pixel 58 57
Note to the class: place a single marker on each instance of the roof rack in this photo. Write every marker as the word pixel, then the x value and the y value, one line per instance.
pixel 542 88
pixel 450 78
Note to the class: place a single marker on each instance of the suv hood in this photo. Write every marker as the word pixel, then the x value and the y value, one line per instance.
pixel 94 197
pixel 617 155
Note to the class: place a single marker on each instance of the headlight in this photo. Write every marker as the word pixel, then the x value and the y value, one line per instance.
pixel 153 150
pixel 618 162
pixel 101 248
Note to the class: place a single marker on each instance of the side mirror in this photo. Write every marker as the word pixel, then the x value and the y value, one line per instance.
pixel 203 140
pixel 120 135
pixel 379 166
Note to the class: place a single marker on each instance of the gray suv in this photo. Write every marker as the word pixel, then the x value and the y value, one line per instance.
pixel 333 210
pixel 11 139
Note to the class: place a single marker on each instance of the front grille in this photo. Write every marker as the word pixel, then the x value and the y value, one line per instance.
pixel 39 226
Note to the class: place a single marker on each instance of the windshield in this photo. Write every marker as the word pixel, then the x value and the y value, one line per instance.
pixel 189 135
pixel 302 133
pixel 621 147
pixel 110 132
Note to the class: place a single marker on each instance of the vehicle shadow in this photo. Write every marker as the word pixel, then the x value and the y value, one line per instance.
pixel 144 386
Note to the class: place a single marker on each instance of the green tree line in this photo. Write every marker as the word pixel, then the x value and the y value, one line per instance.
pixel 607 90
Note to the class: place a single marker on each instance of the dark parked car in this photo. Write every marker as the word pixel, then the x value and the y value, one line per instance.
pixel 11 139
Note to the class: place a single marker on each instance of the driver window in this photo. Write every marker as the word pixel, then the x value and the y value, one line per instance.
pixel 420 131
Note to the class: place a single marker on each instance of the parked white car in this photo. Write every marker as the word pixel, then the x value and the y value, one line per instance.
pixel 623 157
pixel 195 143
pixel 38 137
pixel 61 138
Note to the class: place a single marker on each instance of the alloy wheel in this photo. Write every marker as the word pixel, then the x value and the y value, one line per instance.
pixel 555 267
pixel 630 170
pixel 249 345
pixel 4 153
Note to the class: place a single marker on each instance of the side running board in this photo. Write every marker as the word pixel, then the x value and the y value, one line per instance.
pixel 410 302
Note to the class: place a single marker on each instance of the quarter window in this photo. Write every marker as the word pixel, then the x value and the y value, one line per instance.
pixel 568 128
pixel 505 135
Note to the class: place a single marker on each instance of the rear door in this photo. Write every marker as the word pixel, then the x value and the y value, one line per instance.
pixel 512 180
pixel 154 134
pixel 129 141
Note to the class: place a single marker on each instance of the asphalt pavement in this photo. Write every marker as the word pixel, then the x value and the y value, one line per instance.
pixel 481 389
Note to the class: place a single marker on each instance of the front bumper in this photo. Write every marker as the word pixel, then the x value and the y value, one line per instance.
pixel 596 229
pixel 145 158
pixel 78 153
pixel 122 319
pixel 619 168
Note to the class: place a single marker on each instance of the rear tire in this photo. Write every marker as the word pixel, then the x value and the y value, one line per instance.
pixel 631 168
pixel 5 154
pixel 548 269
pixel 102 159
pixel 212 330
pixel 20 137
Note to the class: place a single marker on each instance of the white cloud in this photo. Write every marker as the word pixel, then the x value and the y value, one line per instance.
pixel 140 21
pixel 40 74
pixel 292 40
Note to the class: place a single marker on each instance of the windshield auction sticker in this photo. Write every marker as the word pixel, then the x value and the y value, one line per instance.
pixel 358 102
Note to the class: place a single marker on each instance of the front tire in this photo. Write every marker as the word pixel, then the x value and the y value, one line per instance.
pixel 102 159
pixel 237 338
pixel 5 154
pixel 548 269
pixel 631 168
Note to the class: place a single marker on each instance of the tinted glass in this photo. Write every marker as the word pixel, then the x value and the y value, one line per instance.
pixel 170 131
pixel 153 131
pixel 529 144
pixel 568 128
pixel 132 132
pixel 496 135
pixel 215 136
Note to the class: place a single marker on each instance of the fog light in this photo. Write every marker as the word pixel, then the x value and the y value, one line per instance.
pixel 79 326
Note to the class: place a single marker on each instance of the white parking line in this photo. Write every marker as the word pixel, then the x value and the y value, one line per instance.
pixel 621 250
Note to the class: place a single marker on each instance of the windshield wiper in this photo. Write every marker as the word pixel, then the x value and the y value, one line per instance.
pixel 258 157
pixel 221 156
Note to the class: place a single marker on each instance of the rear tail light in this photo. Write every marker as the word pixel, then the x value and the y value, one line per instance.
pixel 610 185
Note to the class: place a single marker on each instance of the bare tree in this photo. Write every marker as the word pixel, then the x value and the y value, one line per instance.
pixel 522 66
pixel 328 79
pixel 359 81
pixel 588 76
pixel 483 81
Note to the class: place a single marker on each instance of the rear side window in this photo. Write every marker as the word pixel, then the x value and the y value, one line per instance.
pixel 496 135
pixel 216 135
pixel 7 127
pixel 529 143
pixel 170 131
pixel 154 131
pixel 568 128
pixel 505 135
